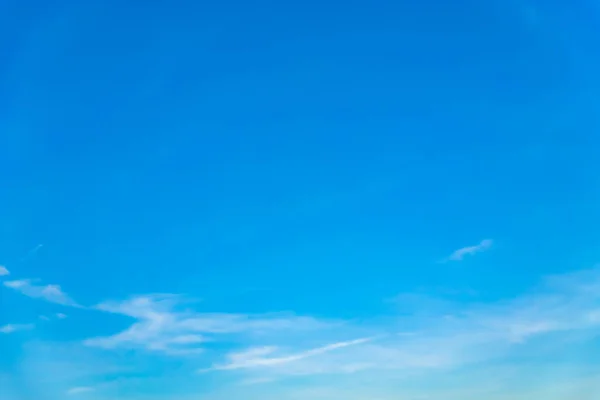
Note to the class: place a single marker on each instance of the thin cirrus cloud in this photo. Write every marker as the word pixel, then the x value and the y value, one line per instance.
pixel 4 271
pixel 161 327
pixel 255 357
pixel 11 328
pixel 257 348
pixel 55 316
pixel 468 335
pixel 50 293
pixel 460 254
pixel 79 390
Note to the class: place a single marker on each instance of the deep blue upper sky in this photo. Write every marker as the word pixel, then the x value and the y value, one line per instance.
pixel 314 158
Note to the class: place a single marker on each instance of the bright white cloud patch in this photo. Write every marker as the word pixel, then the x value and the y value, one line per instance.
pixel 51 293
pixel 459 254
pixel 4 271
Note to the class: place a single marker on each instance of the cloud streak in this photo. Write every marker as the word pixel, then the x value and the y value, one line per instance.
pixel 562 305
pixel 459 255
pixel 79 390
pixel 275 347
pixel 50 293
pixel 161 326
pixel 11 328
pixel 254 358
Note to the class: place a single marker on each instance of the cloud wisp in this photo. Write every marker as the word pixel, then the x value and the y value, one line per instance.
pixel 255 357
pixel 469 334
pixel 56 316
pixel 79 390
pixel 261 348
pixel 459 255
pixel 4 271
pixel 50 293
pixel 11 328
pixel 161 326
pixel 31 252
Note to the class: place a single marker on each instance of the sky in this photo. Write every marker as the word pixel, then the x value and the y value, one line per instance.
pixel 270 200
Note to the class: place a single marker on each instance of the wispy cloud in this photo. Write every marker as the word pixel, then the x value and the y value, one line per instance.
pixel 466 335
pixel 80 390
pixel 50 293
pixel 54 316
pixel 4 271
pixel 11 328
pixel 161 326
pixel 255 357
pixel 31 253
pixel 443 340
pixel 459 254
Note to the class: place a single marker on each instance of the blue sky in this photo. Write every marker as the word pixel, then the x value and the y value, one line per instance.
pixel 309 200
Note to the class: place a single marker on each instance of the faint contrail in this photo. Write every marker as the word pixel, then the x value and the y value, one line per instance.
pixel 31 252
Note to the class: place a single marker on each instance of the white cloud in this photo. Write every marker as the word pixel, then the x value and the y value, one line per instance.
pixel 161 327
pixel 459 254
pixel 280 346
pixel 466 335
pixel 51 293
pixel 79 390
pixel 254 357
pixel 53 316
pixel 4 271
pixel 11 328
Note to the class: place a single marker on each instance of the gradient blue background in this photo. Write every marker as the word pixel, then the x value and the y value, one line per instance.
pixel 318 157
